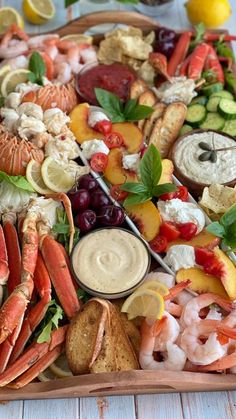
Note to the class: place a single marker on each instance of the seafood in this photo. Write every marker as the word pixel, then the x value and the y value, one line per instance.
pixel 10 48
pixel 53 96
pixel 174 356
pixel 168 334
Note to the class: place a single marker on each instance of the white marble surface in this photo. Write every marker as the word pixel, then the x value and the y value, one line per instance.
pixel 221 405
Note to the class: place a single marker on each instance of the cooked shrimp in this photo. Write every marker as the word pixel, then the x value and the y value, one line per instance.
pixel 39 40
pixel 10 48
pixel 168 334
pixel 230 320
pixel 63 72
pixel 202 353
pixel 52 51
pixel 73 57
pixel 174 357
pixel 88 55
pixel 18 62
pixel 162 277
pixel 173 308
pixel 183 298
pixel 192 309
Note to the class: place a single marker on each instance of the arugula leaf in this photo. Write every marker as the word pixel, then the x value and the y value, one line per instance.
pixel 216 228
pixel 117 111
pixel 62 228
pixel 82 295
pixel 151 167
pixel 19 182
pixel 200 30
pixel 224 50
pixel 37 68
pixel 229 217
pixel 137 199
pixel 161 189
pixel 54 313
pixel 135 188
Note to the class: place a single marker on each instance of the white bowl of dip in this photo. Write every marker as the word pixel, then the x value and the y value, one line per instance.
pixel 110 262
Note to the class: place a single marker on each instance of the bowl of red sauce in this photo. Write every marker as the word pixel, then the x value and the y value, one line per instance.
pixel 116 78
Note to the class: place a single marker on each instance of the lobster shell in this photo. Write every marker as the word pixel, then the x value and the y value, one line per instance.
pixel 54 96
pixel 16 153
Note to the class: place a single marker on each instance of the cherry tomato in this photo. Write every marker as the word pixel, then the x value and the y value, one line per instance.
pixel 99 162
pixel 182 193
pixel 117 193
pixel 202 255
pixel 159 244
pixel 49 65
pixel 169 230
pixel 187 230
pixel 103 126
pixel 114 139
pixel 167 196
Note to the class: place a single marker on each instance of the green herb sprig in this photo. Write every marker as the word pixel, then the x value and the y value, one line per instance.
pixel 119 111
pixel 225 228
pixel 223 49
pixel 19 181
pixel 62 228
pixel 150 174
pixel 37 68
pixel 200 30
pixel 50 322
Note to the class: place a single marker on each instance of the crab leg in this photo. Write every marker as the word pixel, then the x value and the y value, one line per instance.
pixel 40 366
pixel 7 347
pixel 159 63
pixel 13 250
pixel 35 352
pixel 212 63
pixel 36 314
pixel 179 53
pixel 197 61
pixel 4 270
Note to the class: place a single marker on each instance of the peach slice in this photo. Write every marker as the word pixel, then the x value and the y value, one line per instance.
pixel 203 239
pixel 133 137
pixel 167 172
pixel 79 124
pixel 229 276
pixel 115 173
pixel 147 218
pixel 201 282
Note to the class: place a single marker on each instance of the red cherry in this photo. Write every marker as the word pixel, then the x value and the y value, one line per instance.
pixel 169 230
pixel 159 244
pixel 187 230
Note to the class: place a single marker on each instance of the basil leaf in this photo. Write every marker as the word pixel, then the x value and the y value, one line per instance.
pixel 139 112
pixel 165 188
pixel 230 80
pixel 110 102
pixel 32 77
pixel 151 167
pixel 231 242
pixel 18 181
pixel 229 217
pixel 69 3
pixel 216 228
pixel 130 106
pixel 135 188
pixel 116 117
pixel 37 67
pixel 136 199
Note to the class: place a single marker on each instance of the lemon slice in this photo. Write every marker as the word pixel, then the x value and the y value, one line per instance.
pixel 38 12
pixel 60 367
pixel 78 38
pixel 155 286
pixel 145 303
pixel 56 176
pixel 8 15
pixel 12 78
pixel 3 72
pixel 34 177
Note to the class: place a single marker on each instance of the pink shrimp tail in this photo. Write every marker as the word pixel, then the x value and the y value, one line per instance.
pixel 177 289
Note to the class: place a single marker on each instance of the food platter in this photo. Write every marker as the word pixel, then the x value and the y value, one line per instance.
pixel 133 381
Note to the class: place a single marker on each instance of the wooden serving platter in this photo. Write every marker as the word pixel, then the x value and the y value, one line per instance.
pixel 124 382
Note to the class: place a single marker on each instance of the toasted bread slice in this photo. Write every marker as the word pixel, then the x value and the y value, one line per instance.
pixel 159 109
pixel 132 332
pixel 147 98
pixel 164 133
pixel 137 88
pixel 85 336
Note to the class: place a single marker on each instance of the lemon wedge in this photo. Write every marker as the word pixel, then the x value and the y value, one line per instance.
pixel 78 38
pixel 60 367
pixel 56 175
pixel 145 303
pixel 8 15
pixel 155 286
pixel 12 78
pixel 4 70
pixel 38 12
pixel 34 177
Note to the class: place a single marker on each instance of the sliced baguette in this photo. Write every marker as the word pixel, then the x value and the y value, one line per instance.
pixel 132 332
pixel 166 129
pixel 159 109
pixel 137 88
pixel 85 336
pixel 147 98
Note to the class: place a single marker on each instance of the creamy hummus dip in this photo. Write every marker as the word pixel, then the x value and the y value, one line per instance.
pixel 187 153
pixel 110 260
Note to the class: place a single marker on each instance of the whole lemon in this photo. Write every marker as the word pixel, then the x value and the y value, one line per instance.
pixel 212 13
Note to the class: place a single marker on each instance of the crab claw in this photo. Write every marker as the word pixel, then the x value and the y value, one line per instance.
pixel 159 63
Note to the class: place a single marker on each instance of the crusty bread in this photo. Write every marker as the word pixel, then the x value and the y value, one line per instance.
pixel 166 129
pixel 84 336
pixel 132 332
pixel 147 98
pixel 137 88
pixel 159 109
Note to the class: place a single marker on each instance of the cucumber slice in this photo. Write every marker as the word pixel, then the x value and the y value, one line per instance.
pixel 213 103
pixel 224 94
pixel 209 89
pixel 185 128
pixel 227 108
pixel 213 121
pixel 196 114
pixel 230 127
pixel 202 100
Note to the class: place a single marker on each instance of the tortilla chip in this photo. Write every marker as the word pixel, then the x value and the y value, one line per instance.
pixel 217 199
pixel 109 51
pixel 120 32
pixel 150 38
pixel 146 72
pixel 135 47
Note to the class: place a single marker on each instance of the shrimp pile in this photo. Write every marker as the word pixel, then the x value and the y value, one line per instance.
pixel 63 58
pixel 195 333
